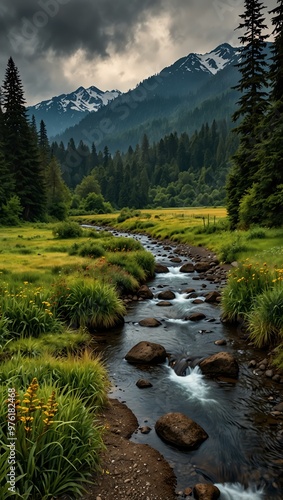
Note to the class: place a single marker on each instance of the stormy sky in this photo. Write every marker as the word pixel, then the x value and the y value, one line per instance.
pixel 59 45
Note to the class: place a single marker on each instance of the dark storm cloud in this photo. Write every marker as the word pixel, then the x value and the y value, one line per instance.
pixel 64 26
pixel 43 36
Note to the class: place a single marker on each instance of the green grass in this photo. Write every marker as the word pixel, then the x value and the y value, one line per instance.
pixel 58 443
pixel 265 319
pixel 85 376
pixel 92 305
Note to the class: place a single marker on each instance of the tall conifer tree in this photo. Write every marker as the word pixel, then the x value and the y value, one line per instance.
pixel 251 105
pixel 20 147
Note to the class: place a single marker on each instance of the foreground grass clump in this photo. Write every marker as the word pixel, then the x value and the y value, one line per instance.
pixel 92 305
pixel 84 376
pixel 57 446
pixel 244 284
pixel 27 311
pixel 265 320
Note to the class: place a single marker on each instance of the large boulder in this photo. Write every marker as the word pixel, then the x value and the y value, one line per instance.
pixel 222 364
pixel 159 268
pixel 146 353
pixel 180 431
pixel 166 295
pixel 188 267
pixel 144 292
pixel 206 492
pixel 150 322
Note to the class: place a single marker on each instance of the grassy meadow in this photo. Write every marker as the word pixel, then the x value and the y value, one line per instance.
pixel 59 284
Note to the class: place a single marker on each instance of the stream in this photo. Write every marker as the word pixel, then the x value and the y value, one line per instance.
pixel 243 454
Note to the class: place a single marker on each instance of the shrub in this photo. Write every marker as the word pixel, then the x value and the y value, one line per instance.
pixel 127 213
pixel 67 229
pixel 256 233
pixel 92 305
pixel 88 249
pixel 265 321
pixel 128 263
pixel 229 252
pixel 57 446
pixel 122 244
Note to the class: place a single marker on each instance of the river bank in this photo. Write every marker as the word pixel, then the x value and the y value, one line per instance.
pixel 138 471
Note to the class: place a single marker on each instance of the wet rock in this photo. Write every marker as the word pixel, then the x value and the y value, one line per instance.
pixel 159 268
pixel 220 342
pixel 212 296
pixel 219 365
pixel 276 378
pixel 145 429
pixel 188 491
pixel 279 407
pixel 180 431
pixel 189 290
pixel 143 383
pixel 176 259
pixel 252 363
pixel 150 322
pixel 202 267
pixel 198 301
pixel 197 316
pixel 269 373
pixel 144 292
pixel 164 303
pixel 166 295
pixel 188 267
pixel 146 353
pixel 206 492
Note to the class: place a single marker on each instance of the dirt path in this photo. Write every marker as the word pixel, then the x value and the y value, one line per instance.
pixel 130 470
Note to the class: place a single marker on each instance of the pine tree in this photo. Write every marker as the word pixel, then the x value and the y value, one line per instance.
pixel 20 147
pixel 44 146
pixel 251 105
pixel 276 68
pixel 58 195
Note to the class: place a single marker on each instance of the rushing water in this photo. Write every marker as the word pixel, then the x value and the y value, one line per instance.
pixel 243 452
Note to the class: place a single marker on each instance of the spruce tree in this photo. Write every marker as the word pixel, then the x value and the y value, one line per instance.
pixel 263 204
pixel 251 105
pixel 20 147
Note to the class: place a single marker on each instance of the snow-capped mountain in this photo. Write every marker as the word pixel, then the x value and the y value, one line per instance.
pixel 211 62
pixel 66 110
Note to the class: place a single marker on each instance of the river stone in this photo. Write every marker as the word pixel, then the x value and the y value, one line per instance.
pixel 202 267
pixel 164 303
pixel 206 492
pixel 212 296
pixel 150 322
pixel 180 431
pixel 197 316
pixel 159 268
pixel 146 353
pixel 166 295
pixel 176 259
pixel 144 292
pixel 220 364
pixel 220 342
pixel 279 407
pixel 143 384
pixel 187 268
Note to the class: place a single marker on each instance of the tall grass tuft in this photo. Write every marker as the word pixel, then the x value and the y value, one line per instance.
pixel 93 305
pixel 244 284
pixel 85 376
pixel 58 443
pixel 265 321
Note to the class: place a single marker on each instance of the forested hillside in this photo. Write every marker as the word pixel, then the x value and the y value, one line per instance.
pixel 178 170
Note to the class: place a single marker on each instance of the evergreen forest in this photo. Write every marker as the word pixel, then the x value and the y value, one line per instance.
pixel 219 163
